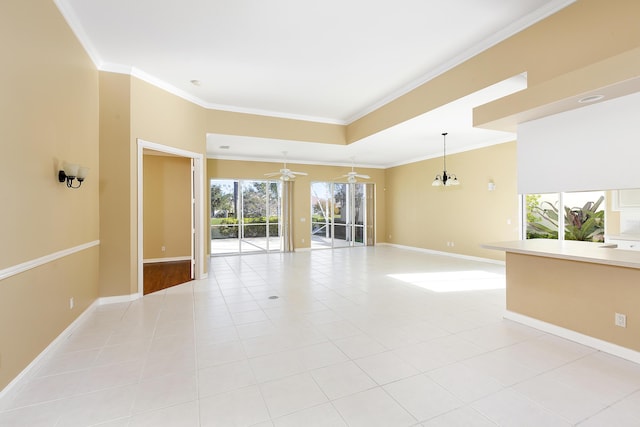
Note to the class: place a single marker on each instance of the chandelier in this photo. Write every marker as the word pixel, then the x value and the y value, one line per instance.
pixel 446 179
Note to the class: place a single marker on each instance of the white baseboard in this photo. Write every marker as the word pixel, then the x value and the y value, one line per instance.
pixel 171 259
pixel 592 342
pixel 59 339
pixel 118 299
pixel 450 254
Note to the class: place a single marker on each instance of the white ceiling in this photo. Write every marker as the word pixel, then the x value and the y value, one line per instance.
pixel 416 139
pixel 331 61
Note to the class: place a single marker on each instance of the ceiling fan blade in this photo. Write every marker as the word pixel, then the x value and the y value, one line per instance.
pixel 285 173
pixel 362 176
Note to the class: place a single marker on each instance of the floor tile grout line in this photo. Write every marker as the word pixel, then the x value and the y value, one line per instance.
pixel 411 317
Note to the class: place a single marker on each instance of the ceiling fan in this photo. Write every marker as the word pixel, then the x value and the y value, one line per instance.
pixel 353 175
pixel 285 174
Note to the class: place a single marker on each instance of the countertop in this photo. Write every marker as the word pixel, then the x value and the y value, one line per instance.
pixel 596 253
pixel 626 236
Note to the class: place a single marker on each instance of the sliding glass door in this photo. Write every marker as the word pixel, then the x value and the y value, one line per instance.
pixel 224 216
pixel 339 213
pixel 245 216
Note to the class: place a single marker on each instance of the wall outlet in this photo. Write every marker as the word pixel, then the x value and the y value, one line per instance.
pixel 71 303
pixel 621 320
pixel 163 249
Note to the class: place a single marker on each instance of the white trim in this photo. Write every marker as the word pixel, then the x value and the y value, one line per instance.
pixel 140 220
pixel 303 162
pixel 560 221
pixel 508 31
pixel 507 138
pixel 192 219
pixel 61 337
pixel 172 259
pixel 199 200
pixel 28 265
pixel 200 195
pixel 302 249
pixel 513 28
pixel 167 149
pixel 167 87
pixel 450 254
pixel 70 16
pixel 596 343
pixel 118 299
pixel 522 217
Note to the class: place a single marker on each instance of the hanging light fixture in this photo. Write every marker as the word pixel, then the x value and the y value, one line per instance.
pixel 445 179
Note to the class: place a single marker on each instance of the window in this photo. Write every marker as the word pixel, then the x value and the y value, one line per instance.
pixel 582 218
pixel 245 216
pixel 541 216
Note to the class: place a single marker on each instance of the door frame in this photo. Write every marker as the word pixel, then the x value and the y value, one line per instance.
pixel 368 235
pixel 240 215
pixel 197 203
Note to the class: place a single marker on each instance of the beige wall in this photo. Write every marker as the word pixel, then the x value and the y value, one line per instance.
pixel 130 110
pixel 583 33
pixel 468 215
pixel 229 123
pixel 230 169
pixel 52 96
pixel 115 188
pixel 167 207
pixel 48 114
pixel 34 307
pixel 571 295
pixel 160 117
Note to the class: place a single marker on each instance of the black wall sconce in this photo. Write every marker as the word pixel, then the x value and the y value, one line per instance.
pixel 71 172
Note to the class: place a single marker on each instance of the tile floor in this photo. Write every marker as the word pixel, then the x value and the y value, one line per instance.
pixel 356 337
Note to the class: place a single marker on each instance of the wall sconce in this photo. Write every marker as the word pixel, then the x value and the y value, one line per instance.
pixel 72 172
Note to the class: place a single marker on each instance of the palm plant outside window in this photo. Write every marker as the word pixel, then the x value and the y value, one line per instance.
pixel 581 215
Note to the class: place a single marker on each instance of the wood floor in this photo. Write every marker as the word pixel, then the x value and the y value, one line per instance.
pixel 163 275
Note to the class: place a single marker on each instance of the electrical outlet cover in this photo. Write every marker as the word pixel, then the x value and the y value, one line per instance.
pixel 621 320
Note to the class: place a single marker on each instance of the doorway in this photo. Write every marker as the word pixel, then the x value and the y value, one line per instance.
pixel 342 214
pixel 170 221
pixel 246 216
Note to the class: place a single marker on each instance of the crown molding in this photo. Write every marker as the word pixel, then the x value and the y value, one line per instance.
pixel 508 31
pixel 515 27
